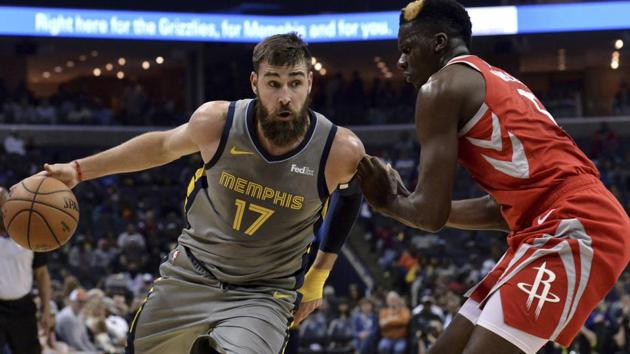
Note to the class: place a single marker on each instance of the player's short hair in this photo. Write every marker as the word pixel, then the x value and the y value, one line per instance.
pixel 282 50
pixel 433 16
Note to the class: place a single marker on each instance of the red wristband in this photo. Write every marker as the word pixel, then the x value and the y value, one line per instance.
pixel 77 168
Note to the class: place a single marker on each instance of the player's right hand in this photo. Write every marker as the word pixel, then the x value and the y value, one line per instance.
pixel 65 172
pixel 378 183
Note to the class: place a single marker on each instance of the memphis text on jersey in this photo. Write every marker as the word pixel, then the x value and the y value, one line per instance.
pixel 260 192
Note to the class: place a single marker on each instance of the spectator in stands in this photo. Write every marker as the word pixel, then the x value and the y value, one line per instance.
pixel 604 143
pixel 13 144
pixel 364 326
pixel 81 259
pixel 426 339
pixel 131 237
pixel 95 314
pixel 393 321
pixel 406 165
pixel 71 326
pixel 134 99
pixel 601 324
pixel 623 319
pixel 621 102
pixel 313 329
pixel 45 113
pixel 81 115
pixel 340 330
pixel 354 296
pixel 452 304
pixel 138 283
pixel 405 143
pixel 23 112
pixel 424 313
pixel 102 115
pixel 334 89
pixel 103 256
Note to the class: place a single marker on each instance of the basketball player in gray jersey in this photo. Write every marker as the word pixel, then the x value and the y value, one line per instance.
pixel 271 167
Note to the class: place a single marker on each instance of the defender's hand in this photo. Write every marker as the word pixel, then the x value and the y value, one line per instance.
pixel 378 183
pixel 401 189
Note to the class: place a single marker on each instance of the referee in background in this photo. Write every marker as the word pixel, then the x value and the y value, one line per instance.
pixel 18 314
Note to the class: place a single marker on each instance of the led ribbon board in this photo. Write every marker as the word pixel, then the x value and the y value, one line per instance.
pixel 595 16
pixel 115 24
pixel 193 27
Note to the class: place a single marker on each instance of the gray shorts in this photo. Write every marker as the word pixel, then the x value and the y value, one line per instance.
pixel 187 312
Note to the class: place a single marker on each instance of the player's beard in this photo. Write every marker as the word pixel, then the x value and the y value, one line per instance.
pixel 283 132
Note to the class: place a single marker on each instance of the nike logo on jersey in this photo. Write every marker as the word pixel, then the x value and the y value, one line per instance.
pixel 544 218
pixel 518 167
pixel 279 295
pixel 235 151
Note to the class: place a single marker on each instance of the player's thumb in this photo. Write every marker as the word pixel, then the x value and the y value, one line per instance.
pixel 49 170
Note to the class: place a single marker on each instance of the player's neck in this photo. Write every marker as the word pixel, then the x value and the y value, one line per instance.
pixel 456 51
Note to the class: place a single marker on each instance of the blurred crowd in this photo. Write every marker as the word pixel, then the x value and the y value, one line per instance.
pixel 130 222
pixel 345 100
pixel 132 106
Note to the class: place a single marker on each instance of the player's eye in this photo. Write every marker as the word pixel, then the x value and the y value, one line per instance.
pixel 296 83
pixel 274 84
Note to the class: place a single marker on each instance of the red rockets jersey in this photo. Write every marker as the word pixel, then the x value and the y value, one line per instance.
pixel 514 148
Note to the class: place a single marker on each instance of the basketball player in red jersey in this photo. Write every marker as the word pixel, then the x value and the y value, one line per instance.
pixel 569 238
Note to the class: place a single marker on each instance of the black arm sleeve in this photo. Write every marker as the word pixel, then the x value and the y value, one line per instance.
pixel 39 259
pixel 343 209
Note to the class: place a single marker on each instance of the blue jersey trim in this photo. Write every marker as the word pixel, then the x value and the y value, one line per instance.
pixel 322 186
pixel 224 136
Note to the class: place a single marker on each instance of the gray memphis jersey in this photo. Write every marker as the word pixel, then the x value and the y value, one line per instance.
pixel 251 220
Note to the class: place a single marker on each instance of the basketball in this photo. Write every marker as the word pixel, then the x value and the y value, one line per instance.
pixel 41 213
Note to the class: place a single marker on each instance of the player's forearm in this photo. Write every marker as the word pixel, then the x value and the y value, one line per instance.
pixel 140 153
pixel 477 214
pixel 42 278
pixel 315 278
pixel 417 212
pixel 324 260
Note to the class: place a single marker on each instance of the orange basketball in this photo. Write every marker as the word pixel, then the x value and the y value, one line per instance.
pixel 41 213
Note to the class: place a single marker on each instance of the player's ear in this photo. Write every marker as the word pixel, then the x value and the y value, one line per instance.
pixel 253 79
pixel 440 41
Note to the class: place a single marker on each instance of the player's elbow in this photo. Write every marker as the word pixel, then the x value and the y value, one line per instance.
pixel 433 219
pixel 434 226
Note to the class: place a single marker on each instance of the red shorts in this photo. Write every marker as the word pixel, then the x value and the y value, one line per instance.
pixel 556 271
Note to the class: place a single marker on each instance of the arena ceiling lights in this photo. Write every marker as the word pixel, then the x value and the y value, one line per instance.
pixel 501 20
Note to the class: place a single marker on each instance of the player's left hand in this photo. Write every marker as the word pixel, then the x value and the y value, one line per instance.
pixel 47 322
pixel 379 182
pixel 305 309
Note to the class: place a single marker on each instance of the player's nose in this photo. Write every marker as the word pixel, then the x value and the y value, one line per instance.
pixel 402 63
pixel 284 98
